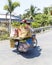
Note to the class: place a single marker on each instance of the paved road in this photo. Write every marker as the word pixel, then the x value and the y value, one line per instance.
pixel 41 55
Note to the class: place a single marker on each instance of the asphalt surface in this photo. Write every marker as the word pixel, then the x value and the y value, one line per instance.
pixel 41 55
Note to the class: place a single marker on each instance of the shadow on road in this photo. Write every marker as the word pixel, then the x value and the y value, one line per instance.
pixel 34 52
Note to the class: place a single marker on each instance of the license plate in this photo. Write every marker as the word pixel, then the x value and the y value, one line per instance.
pixel 16 43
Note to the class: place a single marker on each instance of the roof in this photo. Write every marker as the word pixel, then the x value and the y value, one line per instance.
pixel 13 17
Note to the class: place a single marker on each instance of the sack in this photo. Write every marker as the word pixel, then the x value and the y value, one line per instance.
pixel 12 43
pixel 24 33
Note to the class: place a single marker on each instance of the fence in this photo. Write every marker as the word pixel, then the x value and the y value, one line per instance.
pixel 41 29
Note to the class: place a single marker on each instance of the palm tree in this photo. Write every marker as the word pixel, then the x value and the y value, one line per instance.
pixel 10 8
pixel 45 10
pixel 32 11
pixel 6 15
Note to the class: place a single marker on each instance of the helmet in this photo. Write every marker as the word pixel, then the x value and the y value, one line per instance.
pixel 24 21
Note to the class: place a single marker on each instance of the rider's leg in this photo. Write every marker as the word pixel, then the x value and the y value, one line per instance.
pixel 29 41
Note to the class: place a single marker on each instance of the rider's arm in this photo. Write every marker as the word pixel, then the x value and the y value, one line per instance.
pixel 32 30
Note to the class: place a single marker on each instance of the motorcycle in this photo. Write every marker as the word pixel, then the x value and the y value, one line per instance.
pixel 24 46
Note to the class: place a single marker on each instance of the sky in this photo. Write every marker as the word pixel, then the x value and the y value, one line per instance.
pixel 25 4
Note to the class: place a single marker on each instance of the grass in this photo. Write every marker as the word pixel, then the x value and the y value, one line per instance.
pixel 3 37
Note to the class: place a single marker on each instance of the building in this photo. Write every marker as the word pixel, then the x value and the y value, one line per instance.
pixel 4 17
pixel 4 20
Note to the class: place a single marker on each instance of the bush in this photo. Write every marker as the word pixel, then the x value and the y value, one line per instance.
pixel 50 22
pixel 35 24
pixel 15 24
pixel 4 36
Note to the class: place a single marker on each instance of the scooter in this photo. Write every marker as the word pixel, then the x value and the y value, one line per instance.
pixel 23 46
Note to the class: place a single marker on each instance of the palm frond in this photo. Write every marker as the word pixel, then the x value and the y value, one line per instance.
pixel 6 7
pixel 15 4
pixel 11 6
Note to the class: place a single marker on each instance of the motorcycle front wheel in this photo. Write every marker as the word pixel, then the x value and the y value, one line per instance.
pixel 35 43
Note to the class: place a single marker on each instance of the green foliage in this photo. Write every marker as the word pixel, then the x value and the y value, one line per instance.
pixel 4 36
pixel 15 4
pixel 50 22
pixel 35 24
pixel 44 20
pixel 11 6
pixel 15 24
pixel 45 10
pixel 32 9
pixel 40 20
pixel 6 7
pixel 30 12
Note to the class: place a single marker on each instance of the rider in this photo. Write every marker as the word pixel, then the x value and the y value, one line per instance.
pixel 28 27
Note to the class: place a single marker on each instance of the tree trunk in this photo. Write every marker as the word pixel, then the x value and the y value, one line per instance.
pixel 10 24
